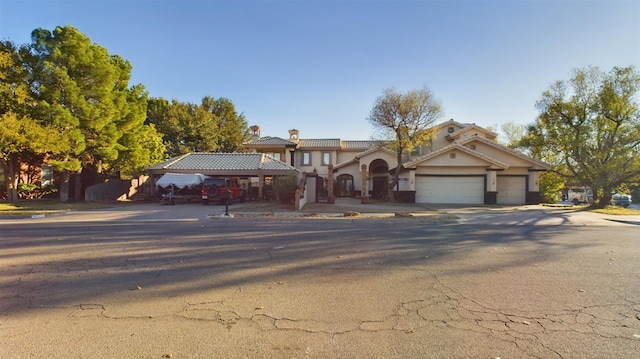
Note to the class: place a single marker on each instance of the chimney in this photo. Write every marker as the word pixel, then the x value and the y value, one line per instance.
pixel 255 132
pixel 294 135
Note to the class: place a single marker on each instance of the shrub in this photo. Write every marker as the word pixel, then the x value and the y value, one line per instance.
pixel 34 190
pixel 285 188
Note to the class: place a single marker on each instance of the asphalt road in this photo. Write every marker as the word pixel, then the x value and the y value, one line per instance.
pixel 173 282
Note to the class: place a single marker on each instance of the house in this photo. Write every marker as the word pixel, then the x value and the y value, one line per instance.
pixel 463 163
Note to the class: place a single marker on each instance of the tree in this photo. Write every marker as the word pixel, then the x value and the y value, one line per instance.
pixel 82 91
pixel 405 121
pixel 20 135
pixel 589 129
pixel 212 126
pixel 233 129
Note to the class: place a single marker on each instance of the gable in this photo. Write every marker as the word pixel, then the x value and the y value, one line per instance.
pixel 504 154
pixel 366 157
pixel 456 156
pixel 470 131
pixel 497 153
pixel 443 130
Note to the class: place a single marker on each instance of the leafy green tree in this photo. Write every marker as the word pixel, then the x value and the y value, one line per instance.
pixel 233 129
pixel 20 136
pixel 212 126
pixel 404 122
pixel 83 92
pixel 589 128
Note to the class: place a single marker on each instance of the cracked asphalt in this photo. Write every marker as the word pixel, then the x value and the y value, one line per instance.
pixel 149 281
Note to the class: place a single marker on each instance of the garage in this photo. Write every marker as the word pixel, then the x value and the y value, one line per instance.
pixel 512 189
pixel 450 189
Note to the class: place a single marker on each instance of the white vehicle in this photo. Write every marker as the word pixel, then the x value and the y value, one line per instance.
pixel 579 195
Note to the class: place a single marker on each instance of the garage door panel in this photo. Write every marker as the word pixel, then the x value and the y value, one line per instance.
pixel 511 189
pixel 446 189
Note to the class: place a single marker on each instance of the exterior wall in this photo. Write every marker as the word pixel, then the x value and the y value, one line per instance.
pixel 390 159
pixel 316 161
pixel 500 155
pixel 461 159
pixel 431 170
pixel 515 171
pixel 344 156
pixel 471 132
pixel 440 140
pixel 354 170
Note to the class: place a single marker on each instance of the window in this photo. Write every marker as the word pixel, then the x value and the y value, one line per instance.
pixel 306 158
pixel 326 158
pixel 276 155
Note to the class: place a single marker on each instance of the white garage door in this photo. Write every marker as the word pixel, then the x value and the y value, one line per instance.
pixel 512 190
pixel 436 189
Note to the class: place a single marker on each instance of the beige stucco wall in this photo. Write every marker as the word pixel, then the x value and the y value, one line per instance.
pixel 344 156
pixel 500 155
pixel 461 159
pixel 368 159
pixel 437 170
pixel 354 170
pixel 439 140
pixel 316 162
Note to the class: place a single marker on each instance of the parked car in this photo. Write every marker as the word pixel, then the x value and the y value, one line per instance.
pixel 579 195
pixel 221 189
pixel 623 200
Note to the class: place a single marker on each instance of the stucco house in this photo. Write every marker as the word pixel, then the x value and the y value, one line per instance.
pixel 462 164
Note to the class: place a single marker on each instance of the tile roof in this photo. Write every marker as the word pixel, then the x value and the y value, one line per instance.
pixel 333 143
pixel 358 145
pixel 223 162
pixel 322 143
pixel 270 141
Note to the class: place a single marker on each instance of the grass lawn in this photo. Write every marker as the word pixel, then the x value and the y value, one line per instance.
pixel 47 206
pixel 614 210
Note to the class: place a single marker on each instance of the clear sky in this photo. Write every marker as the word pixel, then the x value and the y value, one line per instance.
pixel 319 66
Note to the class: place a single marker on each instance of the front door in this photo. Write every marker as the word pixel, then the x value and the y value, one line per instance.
pixel 380 188
pixel 344 186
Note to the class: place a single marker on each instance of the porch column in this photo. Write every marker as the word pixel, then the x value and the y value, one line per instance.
pixel 332 198
pixel 260 186
pixel 365 184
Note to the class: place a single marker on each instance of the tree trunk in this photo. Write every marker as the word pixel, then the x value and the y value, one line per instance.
pixel 12 175
pixel 603 201
pixel 64 186
pixel 396 175
pixel 77 187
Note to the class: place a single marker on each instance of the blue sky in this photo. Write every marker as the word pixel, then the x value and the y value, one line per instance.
pixel 319 66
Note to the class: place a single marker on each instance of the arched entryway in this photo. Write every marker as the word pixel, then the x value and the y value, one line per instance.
pixel 344 186
pixel 379 174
